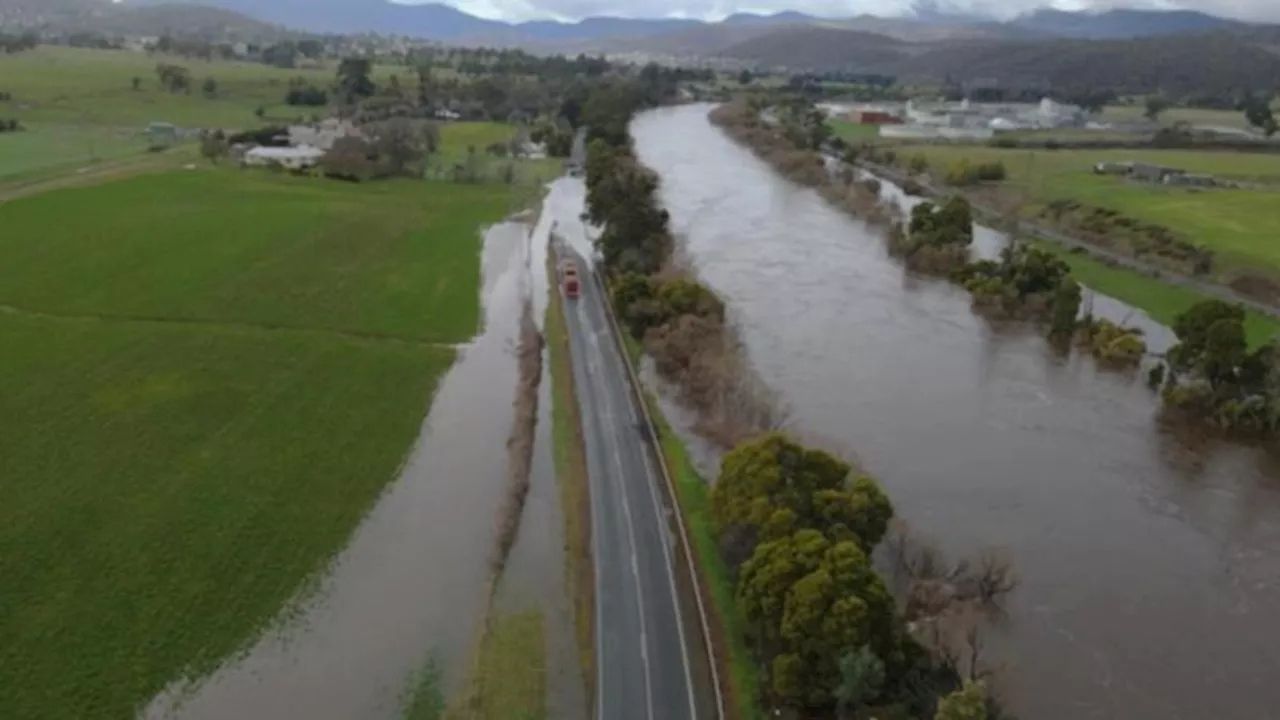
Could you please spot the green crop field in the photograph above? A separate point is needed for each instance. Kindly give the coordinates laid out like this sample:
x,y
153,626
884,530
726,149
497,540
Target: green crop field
x,y
208,378
42,147
1240,224
222,245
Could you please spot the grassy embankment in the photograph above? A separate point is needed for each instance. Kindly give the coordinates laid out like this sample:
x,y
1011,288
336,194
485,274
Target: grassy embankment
x,y
210,376
1162,301
509,676
1238,225
737,667
571,473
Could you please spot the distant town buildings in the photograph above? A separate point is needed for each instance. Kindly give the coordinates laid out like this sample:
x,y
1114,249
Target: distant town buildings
x,y
966,120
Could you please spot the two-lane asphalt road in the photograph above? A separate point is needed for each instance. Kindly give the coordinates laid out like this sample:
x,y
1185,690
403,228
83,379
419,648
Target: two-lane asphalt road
x,y
642,660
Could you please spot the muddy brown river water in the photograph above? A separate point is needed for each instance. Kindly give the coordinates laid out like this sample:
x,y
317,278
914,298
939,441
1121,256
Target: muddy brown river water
x,y
1150,570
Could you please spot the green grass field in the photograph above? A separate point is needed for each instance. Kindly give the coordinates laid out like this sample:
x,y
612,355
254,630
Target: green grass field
x,y
42,147
852,132
208,379
1240,224
223,245
512,669
1162,301
72,86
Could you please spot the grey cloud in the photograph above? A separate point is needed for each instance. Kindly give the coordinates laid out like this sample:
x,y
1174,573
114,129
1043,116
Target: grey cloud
x,y
1256,10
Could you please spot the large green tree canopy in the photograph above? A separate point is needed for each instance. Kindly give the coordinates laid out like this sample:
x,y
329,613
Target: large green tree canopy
x,y
808,602
772,487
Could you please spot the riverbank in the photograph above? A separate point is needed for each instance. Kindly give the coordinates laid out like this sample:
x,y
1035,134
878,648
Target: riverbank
x,y
683,327
1162,294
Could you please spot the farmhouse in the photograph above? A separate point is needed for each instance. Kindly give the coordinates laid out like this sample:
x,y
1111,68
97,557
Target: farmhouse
x,y
290,158
323,134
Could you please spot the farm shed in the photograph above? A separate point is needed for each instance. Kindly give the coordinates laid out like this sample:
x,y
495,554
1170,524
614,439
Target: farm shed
x,y
292,158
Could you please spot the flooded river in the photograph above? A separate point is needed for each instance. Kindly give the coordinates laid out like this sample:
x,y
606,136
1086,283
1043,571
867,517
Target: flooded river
x,y
1150,571
412,583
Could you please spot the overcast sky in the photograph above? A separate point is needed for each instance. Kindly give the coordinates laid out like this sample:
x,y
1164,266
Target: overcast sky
x,y
1268,10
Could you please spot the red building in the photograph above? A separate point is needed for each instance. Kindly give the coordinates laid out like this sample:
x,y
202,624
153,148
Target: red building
x,y
874,117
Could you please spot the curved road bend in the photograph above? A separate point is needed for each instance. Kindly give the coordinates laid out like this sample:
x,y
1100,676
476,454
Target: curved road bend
x,y
642,662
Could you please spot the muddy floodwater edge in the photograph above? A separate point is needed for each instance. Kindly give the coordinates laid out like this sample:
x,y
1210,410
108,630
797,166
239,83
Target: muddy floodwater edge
x,y
412,582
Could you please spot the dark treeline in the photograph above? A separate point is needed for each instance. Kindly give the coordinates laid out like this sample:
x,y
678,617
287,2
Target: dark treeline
x,y
18,43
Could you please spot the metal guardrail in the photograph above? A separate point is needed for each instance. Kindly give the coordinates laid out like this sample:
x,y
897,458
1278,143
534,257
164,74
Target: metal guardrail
x,y
638,389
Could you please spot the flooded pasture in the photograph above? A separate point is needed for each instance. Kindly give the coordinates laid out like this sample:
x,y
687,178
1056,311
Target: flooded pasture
x,y
1150,569
411,584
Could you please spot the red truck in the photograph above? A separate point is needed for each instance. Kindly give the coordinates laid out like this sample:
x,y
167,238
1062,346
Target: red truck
x,y
569,279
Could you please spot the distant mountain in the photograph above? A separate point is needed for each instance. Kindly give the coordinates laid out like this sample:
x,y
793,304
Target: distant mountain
x,y
821,48
1123,23
190,21
34,13
781,18
104,16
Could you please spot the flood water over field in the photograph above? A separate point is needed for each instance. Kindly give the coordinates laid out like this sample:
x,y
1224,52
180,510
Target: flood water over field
x,y
412,582
1150,571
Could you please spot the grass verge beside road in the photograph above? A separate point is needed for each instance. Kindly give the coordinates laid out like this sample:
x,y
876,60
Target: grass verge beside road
x,y
513,669
571,474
